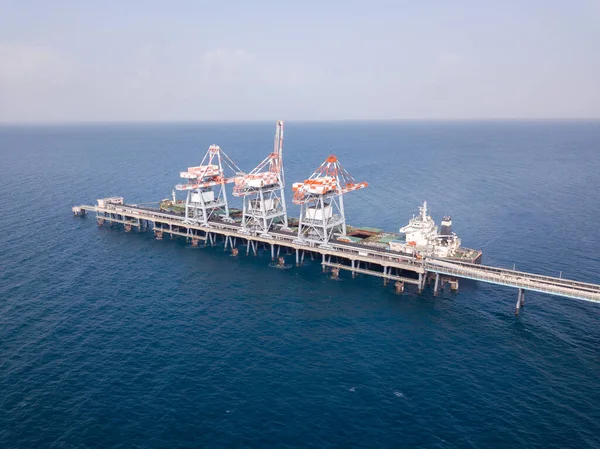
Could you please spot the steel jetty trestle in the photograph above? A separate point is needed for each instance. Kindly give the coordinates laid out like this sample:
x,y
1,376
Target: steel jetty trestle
x,y
337,255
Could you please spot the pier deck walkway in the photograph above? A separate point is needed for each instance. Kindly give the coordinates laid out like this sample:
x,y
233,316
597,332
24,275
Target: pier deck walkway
x,y
519,279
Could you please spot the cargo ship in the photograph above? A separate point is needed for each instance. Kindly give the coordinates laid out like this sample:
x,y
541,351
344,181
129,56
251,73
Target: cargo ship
x,y
421,237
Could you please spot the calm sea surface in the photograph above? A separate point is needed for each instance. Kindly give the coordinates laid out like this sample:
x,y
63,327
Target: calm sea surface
x,y
114,339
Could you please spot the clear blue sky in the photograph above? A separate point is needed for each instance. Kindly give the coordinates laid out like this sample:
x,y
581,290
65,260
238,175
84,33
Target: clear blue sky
x,y
298,60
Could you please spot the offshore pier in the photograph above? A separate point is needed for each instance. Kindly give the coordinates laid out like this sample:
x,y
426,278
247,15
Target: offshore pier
x,y
418,255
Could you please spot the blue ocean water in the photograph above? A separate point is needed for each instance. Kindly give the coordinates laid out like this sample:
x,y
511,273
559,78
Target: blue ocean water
x,y
113,339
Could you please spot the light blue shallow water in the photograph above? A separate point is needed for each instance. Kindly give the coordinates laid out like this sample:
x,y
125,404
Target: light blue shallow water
x,y
110,339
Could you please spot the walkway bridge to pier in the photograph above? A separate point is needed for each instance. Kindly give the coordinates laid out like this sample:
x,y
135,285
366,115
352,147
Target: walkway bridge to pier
x,y
518,279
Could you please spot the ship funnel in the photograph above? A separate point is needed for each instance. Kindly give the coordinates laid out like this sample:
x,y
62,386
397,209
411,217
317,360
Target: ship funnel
x,y
446,225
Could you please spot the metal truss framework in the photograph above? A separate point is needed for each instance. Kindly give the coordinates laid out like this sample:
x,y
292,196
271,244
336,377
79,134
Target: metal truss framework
x,y
262,191
206,192
321,202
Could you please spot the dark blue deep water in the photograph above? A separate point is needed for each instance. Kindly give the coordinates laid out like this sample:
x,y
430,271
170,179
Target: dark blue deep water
x,y
114,339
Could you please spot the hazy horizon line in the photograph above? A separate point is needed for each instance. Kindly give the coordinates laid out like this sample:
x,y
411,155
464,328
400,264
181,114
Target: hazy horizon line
x,y
244,121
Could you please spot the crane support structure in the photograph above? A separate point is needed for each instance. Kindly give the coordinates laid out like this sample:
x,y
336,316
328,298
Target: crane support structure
x,y
206,193
262,191
321,202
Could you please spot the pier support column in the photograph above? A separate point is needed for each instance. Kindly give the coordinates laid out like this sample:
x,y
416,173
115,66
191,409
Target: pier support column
x,y
437,284
302,258
272,252
248,248
226,241
385,273
454,285
421,282
353,272
399,286
278,250
520,301
323,264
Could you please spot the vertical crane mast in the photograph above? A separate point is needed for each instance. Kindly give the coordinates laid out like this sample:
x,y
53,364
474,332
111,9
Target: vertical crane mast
x,y
279,149
321,202
263,191
206,193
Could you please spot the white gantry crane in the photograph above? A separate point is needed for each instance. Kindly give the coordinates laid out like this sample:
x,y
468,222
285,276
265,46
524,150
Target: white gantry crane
x,y
321,202
206,193
262,192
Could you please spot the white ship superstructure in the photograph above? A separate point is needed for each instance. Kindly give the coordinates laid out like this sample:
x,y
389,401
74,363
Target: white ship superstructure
x,y
421,236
